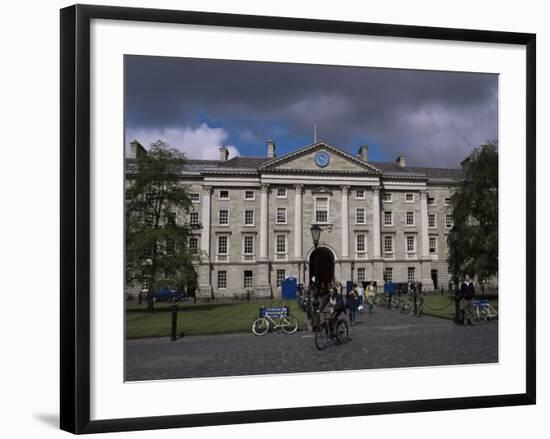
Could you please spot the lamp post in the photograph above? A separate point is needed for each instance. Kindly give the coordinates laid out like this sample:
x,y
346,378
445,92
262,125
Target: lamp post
x,y
315,236
455,236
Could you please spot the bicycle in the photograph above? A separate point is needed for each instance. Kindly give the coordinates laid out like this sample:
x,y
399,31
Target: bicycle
x,y
323,334
483,310
287,323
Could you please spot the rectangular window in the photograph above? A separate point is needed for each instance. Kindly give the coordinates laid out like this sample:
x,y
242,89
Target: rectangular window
x,y
360,194
248,217
224,194
447,201
360,216
172,217
281,276
321,210
222,245
388,274
249,195
388,218
409,198
431,201
281,192
247,279
223,217
360,243
194,218
248,245
222,279
431,220
387,197
410,244
433,244
410,274
281,243
410,218
195,197
388,244
193,244
281,215
361,275
448,221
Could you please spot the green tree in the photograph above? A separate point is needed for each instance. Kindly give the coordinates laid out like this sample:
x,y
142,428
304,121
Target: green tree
x,y
475,213
157,245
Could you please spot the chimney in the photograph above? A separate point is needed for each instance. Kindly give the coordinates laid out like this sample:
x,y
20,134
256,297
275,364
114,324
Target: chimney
x,y
364,152
224,154
270,149
400,160
136,149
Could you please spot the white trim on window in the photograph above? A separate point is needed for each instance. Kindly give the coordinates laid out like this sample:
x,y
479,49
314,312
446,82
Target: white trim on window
x,y
412,197
410,238
428,198
435,221
315,202
222,274
433,238
407,218
223,198
193,199
281,255
357,216
281,192
245,224
280,209
361,253
360,194
387,197
253,195
388,253
448,224
390,212
191,215
220,218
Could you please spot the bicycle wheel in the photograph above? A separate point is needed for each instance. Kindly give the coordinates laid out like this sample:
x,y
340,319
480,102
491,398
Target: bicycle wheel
x,y
260,326
342,331
321,336
479,315
290,325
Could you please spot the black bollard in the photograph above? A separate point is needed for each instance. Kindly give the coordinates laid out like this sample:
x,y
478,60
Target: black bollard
x,y
173,335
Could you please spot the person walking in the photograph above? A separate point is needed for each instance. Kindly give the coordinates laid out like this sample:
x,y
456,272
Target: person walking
x,y
467,294
360,297
351,304
370,297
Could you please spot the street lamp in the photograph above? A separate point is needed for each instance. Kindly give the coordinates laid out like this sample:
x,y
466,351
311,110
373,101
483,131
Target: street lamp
x,y
315,234
455,236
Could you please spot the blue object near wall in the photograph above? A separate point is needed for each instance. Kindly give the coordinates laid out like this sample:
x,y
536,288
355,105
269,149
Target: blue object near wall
x,y
288,288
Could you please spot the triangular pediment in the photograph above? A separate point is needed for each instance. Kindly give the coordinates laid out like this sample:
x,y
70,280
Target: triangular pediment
x,y
319,157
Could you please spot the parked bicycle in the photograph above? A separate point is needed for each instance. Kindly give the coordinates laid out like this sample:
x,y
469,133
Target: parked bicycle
x,y
273,319
324,335
483,311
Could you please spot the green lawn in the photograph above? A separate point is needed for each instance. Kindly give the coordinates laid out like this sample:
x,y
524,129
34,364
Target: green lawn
x,y
444,306
208,318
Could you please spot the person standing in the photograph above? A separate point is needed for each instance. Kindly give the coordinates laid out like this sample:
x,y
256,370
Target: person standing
x,y
370,297
351,304
467,293
360,297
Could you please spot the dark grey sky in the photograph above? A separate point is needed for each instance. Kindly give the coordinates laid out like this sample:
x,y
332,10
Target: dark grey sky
x,y
197,105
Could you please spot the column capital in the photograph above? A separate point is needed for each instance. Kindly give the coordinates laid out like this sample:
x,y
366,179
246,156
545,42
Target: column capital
x,y
299,188
265,187
207,189
423,194
376,190
345,190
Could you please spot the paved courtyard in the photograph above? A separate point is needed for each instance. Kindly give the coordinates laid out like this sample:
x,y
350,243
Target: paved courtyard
x,y
384,339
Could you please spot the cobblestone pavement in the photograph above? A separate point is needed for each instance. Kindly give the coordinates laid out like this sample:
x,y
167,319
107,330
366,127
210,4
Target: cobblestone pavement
x,y
384,339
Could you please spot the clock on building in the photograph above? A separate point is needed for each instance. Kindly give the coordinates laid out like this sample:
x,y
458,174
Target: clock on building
x,y
322,159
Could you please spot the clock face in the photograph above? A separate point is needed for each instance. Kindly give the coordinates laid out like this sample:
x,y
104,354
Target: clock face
x,y
322,159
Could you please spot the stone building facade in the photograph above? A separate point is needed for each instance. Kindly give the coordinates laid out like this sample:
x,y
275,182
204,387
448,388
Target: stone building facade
x,y
379,220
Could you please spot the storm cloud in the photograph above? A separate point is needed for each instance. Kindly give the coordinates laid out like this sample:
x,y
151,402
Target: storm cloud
x,y
434,118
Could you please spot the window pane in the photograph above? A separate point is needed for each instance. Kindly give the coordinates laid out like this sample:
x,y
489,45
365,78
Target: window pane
x,y
222,279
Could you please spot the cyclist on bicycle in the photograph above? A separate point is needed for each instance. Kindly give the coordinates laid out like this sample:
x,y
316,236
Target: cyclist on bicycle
x,y
336,307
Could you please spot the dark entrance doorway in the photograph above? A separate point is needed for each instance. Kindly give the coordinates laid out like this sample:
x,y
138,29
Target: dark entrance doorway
x,y
321,265
434,278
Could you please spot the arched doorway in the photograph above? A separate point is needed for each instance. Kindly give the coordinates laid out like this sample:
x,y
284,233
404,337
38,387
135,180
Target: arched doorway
x,y
321,265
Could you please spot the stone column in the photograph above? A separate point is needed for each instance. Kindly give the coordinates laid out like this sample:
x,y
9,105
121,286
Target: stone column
x,y
424,225
377,264
298,221
205,220
345,222
205,287
264,205
376,222
426,278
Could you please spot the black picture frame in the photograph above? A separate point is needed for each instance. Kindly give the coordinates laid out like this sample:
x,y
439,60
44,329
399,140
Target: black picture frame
x,y
75,217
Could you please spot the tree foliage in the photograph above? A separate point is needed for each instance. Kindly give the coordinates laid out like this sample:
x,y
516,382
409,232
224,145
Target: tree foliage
x,y
475,213
157,246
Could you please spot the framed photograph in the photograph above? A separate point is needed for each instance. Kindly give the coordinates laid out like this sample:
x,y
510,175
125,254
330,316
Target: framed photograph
x,y
258,213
